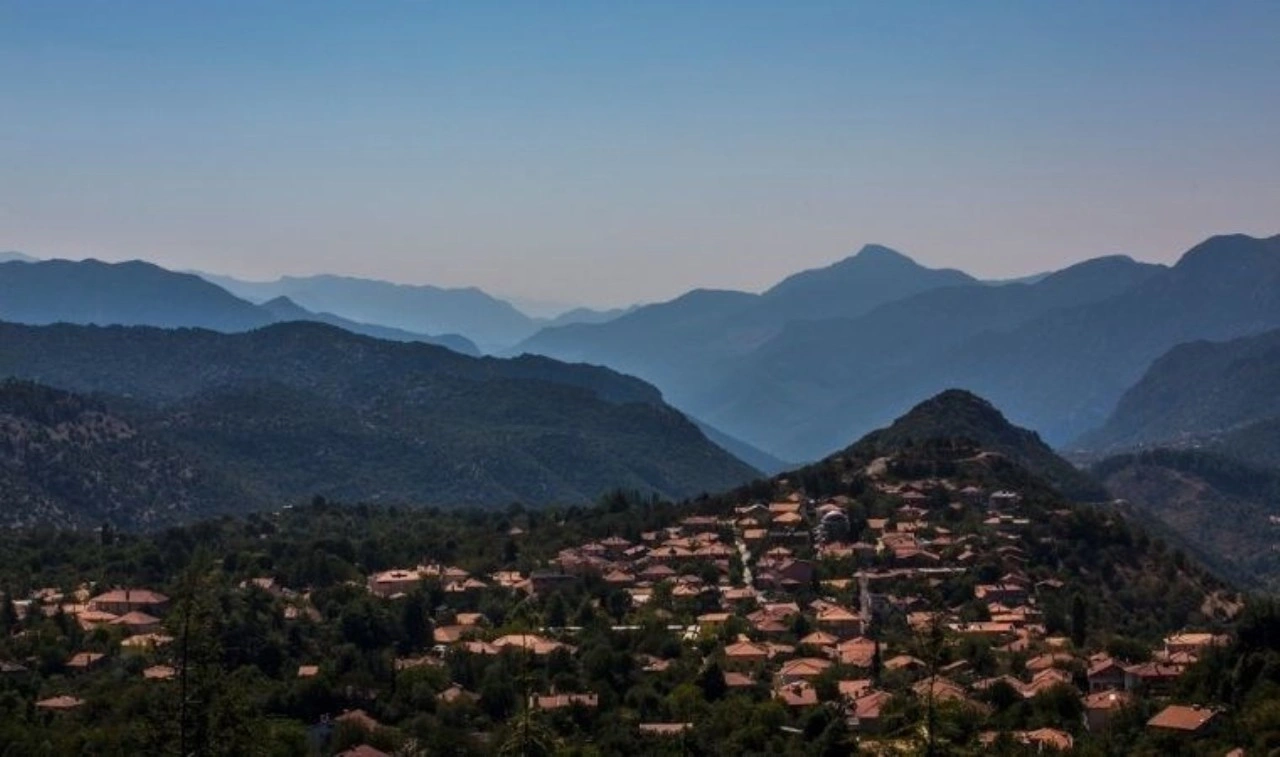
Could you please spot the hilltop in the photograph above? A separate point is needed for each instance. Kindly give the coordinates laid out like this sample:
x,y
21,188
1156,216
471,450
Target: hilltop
x,y
966,418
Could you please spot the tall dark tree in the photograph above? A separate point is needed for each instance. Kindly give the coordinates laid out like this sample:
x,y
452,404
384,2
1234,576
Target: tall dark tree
x,y
1079,621
711,682
416,624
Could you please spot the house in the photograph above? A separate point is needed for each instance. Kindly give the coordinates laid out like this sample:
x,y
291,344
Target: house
x,y
137,622
1178,718
839,621
82,661
619,578
537,645
1106,674
61,703
1049,660
1193,644
798,694
1047,679
1101,706
664,729
123,601
1003,500
450,634
745,654
389,583
713,620
852,688
561,701
802,669
867,709
159,673
820,640
858,652
1040,739
1152,677
363,750
941,689
904,662
1005,593
308,671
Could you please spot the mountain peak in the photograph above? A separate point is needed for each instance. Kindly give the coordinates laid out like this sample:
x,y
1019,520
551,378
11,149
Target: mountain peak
x,y
1227,247
878,252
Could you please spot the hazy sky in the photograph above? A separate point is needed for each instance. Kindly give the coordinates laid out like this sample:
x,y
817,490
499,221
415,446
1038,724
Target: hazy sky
x,y
606,153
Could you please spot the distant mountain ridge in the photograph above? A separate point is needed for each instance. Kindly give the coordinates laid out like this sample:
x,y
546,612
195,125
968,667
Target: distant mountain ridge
x,y
130,294
817,382
1056,355
486,320
138,293
297,409
687,344
1195,393
284,309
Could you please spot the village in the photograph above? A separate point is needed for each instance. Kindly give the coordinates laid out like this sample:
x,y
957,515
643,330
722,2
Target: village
x,y
924,598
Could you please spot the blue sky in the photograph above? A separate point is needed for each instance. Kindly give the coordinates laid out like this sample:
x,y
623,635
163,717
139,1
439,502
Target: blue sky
x,y
605,153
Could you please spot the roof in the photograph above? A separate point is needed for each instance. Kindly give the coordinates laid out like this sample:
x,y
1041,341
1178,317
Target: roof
x,y
159,673
746,649
135,618
557,701
63,702
83,659
132,596
664,729
1111,699
359,718
1188,718
799,694
805,667
735,680
363,750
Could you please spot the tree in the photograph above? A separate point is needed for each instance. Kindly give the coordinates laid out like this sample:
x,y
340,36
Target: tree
x,y
1079,621
556,614
416,624
711,682
8,613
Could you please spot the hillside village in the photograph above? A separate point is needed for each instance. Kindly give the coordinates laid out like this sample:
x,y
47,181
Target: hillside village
x,y
920,613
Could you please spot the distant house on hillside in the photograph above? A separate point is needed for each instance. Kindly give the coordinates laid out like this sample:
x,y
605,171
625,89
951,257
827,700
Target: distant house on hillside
x,y
125,601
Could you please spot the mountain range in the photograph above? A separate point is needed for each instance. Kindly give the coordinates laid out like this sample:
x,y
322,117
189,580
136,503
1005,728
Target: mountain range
x,y
137,293
797,370
791,373
492,323
299,409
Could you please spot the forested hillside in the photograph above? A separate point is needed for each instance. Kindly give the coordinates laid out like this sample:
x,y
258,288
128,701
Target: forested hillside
x,y
299,409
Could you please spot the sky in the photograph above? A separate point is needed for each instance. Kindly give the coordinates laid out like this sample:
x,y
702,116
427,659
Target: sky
x,y
610,153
